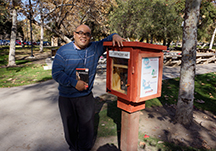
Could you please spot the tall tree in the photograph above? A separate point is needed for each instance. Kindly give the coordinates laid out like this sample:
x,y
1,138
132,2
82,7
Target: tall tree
x,y
213,26
207,19
42,25
5,19
184,112
167,21
30,20
141,19
11,57
62,17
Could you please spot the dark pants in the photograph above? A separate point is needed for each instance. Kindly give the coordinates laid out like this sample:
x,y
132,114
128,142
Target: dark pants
x,y
78,121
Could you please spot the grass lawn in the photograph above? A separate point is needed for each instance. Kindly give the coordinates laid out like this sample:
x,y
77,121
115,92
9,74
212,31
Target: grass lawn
x,y
28,71
204,95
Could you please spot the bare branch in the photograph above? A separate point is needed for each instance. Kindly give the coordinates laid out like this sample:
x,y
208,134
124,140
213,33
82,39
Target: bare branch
x,y
65,16
51,11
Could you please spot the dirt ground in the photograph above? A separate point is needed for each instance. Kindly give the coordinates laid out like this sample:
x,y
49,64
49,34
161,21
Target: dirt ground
x,y
157,122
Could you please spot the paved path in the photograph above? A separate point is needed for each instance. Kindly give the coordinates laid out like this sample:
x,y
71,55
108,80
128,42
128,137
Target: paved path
x,y
29,116
170,72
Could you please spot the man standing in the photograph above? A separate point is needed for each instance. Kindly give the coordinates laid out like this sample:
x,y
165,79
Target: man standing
x,y
76,101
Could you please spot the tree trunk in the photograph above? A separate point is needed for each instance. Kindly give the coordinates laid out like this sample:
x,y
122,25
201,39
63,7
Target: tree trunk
x,y
30,22
168,43
164,41
147,39
42,28
151,39
11,57
41,39
141,40
184,111
176,44
212,39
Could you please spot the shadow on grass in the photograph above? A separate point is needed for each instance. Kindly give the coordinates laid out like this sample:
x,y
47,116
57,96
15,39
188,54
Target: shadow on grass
x,y
98,105
3,61
15,68
19,62
4,47
115,114
44,79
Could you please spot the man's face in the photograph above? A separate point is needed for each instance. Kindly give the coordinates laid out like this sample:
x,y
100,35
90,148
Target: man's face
x,y
82,36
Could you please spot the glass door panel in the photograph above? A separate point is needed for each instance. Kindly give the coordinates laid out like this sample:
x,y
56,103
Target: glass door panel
x,y
120,75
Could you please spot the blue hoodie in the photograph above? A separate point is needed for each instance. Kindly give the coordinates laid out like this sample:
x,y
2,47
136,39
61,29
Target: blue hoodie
x,y
68,58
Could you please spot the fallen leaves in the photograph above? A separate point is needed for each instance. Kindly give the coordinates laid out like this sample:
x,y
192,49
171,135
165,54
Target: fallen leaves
x,y
9,79
199,101
13,81
205,145
146,136
205,117
166,97
173,106
142,145
211,95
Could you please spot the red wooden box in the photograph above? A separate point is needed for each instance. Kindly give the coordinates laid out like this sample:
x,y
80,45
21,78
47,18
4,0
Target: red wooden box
x,y
134,73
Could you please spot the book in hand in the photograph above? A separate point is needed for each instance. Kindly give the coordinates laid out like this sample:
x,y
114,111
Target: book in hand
x,y
82,74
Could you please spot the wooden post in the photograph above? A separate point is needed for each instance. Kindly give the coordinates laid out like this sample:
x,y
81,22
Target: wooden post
x,y
129,131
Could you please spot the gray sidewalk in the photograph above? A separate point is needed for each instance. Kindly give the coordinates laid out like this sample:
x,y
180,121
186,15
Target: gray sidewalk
x,y
30,119
170,72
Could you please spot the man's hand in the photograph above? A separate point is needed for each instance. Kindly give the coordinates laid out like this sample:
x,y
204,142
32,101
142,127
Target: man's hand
x,y
118,39
81,85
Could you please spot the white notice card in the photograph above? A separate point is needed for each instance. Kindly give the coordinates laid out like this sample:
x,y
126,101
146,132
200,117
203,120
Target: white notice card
x,y
149,76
